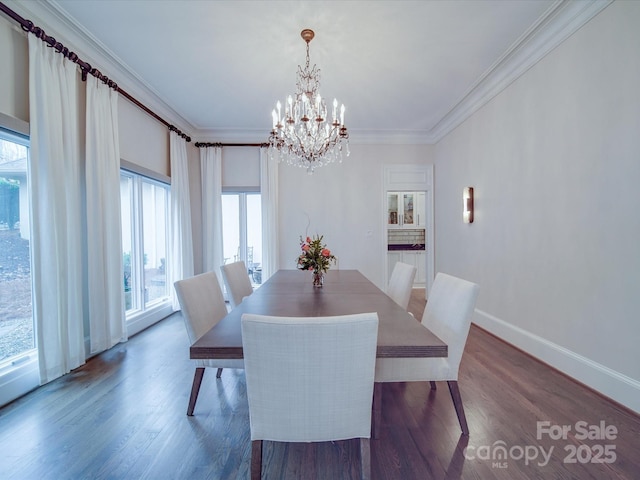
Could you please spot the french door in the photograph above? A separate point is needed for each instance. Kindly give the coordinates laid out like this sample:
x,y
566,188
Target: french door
x,y
16,315
145,214
242,231
18,349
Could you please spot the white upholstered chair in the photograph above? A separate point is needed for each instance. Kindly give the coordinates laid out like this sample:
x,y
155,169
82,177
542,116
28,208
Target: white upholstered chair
x,y
401,283
448,314
202,306
237,281
309,379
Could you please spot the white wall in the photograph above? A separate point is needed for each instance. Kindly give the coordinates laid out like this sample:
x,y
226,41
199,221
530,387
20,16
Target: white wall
x,y
345,203
143,140
555,167
241,168
14,73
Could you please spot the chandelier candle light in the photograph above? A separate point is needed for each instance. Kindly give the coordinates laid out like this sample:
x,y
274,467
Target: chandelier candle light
x,y
303,134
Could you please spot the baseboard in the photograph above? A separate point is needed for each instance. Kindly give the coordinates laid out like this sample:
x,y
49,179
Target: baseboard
x,y
610,383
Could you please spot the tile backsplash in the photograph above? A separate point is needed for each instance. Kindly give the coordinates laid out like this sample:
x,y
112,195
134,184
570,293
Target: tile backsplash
x,y
406,236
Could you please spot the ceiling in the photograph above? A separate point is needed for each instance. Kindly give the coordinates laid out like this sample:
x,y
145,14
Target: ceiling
x,y
406,70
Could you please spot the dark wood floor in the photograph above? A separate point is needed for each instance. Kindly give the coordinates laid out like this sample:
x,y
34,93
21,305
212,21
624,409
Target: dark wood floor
x,y
123,415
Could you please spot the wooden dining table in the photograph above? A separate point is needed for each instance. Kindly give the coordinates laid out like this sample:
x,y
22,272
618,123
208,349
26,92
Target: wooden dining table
x,y
290,293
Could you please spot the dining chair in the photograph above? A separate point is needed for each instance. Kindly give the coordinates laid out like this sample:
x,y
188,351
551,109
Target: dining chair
x,y
202,306
447,314
237,281
401,283
309,379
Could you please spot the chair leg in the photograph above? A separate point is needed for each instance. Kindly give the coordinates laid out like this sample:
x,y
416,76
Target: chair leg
x,y
195,388
365,459
256,459
433,385
219,373
457,403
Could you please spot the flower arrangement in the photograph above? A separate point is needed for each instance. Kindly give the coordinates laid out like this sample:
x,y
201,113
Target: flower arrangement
x,y
315,255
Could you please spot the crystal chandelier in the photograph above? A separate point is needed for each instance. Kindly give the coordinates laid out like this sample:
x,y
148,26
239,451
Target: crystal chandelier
x,y
303,134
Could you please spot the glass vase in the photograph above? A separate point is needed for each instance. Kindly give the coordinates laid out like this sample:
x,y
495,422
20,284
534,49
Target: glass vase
x,y
318,279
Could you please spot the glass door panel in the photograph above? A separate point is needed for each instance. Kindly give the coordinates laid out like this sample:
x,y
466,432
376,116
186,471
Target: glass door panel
x,y
254,237
231,228
16,314
154,215
407,207
392,208
126,214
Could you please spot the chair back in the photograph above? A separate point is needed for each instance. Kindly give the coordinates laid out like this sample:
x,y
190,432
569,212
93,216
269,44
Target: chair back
x,y
309,379
401,283
448,314
236,279
201,302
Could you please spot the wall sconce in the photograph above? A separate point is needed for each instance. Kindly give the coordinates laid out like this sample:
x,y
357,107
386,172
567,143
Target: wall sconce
x,y
467,205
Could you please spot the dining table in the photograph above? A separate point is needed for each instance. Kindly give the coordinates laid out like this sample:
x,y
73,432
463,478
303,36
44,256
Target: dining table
x,y
291,293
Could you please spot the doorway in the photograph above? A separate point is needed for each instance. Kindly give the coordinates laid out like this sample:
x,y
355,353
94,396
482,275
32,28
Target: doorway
x,y
242,232
408,221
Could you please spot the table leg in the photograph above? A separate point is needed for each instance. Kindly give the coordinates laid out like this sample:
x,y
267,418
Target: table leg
x,y
377,409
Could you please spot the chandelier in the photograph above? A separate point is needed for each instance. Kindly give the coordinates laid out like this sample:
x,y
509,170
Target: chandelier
x,y
303,134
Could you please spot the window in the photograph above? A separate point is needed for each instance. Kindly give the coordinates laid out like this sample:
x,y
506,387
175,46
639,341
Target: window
x,y
16,315
145,213
242,231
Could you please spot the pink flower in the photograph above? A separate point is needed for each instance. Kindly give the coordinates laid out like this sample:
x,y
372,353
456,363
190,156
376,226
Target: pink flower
x,y
305,247
308,240
326,252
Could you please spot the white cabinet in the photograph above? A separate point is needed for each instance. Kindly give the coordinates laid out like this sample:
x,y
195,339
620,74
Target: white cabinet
x,y
421,264
401,211
412,257
417,259
392,259
406,210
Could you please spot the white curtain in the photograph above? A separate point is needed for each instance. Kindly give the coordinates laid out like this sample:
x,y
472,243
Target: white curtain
x,y
211,169
269,194
56,210
181,233
104,237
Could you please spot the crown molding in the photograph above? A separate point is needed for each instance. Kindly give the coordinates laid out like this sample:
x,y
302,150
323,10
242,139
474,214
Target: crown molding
x,y
389,137
557,24
224,135
356,137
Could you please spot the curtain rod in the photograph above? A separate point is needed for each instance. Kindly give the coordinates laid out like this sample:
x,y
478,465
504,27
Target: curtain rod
x,y
209,144
29,27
